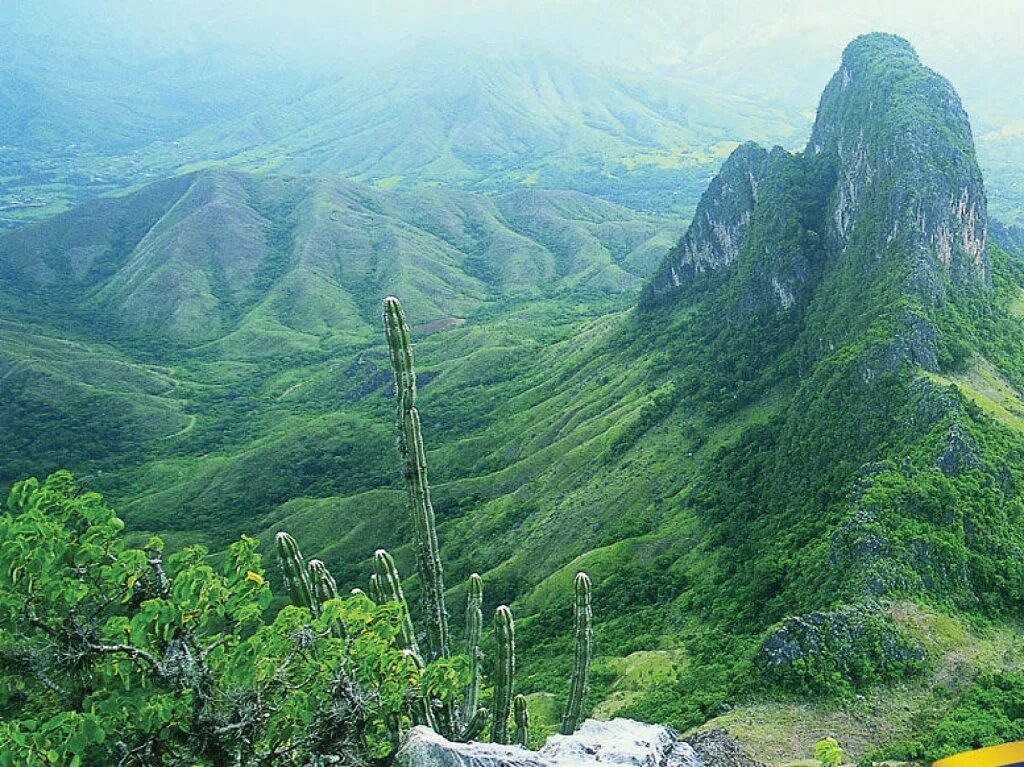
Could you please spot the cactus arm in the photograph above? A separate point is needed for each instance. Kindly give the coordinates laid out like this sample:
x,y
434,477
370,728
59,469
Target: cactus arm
x,y
294,570
474,632
386,582
521,716
504,674
419,710
475,725
410,444
579,683
323,583
324,588
376,593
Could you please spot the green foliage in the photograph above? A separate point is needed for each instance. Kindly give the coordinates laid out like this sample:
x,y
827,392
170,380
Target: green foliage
x,y
112,653
828,752
989,712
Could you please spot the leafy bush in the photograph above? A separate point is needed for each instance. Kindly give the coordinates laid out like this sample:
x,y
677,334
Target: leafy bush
x,y
990,712
828,752
117,655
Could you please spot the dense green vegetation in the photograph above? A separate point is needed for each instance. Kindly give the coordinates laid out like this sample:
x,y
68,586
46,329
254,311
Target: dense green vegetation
x,y
116,654
86,618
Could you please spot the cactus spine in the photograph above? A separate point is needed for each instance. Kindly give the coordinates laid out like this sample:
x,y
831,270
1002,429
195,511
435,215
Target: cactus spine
x,y
410,445
504,674
474,631
521,716
294,570
579,683
386,583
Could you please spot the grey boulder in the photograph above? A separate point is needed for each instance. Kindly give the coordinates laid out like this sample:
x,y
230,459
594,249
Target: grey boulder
x,y
617,742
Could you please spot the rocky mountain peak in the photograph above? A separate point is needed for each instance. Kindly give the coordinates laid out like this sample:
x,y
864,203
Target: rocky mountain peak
x,y
890,169
902,144
720,224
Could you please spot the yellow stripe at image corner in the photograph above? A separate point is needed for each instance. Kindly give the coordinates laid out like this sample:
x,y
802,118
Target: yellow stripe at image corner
x,y
993,756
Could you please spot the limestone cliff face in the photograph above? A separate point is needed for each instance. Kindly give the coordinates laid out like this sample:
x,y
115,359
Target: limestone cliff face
x,y
902,145
720,224
889,173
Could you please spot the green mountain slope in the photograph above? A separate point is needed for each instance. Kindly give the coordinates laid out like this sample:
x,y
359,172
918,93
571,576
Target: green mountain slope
x,y
480,120
205,308
288,263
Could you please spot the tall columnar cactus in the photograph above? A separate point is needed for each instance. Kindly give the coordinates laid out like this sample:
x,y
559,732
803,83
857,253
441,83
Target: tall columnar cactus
x,y
410,445
324,588
579,683
311,586
521,716
504,673
474,632
376,594
293,567
386,583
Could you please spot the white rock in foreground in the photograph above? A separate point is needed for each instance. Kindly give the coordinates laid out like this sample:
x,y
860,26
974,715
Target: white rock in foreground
x,y
618,742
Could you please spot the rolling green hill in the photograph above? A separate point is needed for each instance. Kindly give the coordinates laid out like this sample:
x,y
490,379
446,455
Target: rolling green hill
x,y
461,118
205,311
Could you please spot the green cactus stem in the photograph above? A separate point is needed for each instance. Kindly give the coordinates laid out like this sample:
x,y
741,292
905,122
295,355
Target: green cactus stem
x,y
475,725
419,710
521,716
294,570
389,588
410,444
375,591
504,674
324,588
474,632
579,683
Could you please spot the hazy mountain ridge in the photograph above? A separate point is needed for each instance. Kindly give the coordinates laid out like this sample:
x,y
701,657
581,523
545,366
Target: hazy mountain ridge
x,y
199,257
464,119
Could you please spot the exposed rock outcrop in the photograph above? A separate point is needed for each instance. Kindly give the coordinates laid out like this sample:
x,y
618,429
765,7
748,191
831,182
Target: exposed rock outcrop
x,y
855,641
889,173
619,741
720,224
718,748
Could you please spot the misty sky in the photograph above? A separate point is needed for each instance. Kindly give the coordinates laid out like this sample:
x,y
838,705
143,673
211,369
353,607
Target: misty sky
x,y
775,48
788,46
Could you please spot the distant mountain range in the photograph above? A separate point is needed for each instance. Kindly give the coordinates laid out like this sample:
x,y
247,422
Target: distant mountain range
x,y
464,119
649,137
